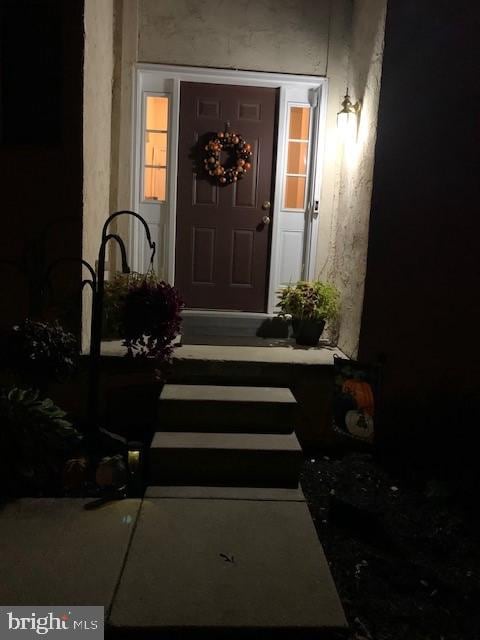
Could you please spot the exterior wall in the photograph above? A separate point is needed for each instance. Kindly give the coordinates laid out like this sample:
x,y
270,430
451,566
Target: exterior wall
x,y
97,115
41,63
349,264
266,35
126,56
421,311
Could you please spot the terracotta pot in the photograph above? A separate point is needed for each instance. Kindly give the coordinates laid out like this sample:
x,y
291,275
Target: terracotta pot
x,y
307,332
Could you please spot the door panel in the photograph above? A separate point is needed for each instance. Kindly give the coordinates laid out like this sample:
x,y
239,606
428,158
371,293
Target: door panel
x,y
222,246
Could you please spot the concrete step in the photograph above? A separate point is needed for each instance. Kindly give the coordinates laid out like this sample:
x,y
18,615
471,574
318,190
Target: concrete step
x,y
227,408
204,324
308,372
226,567
225,459
278,363
285,494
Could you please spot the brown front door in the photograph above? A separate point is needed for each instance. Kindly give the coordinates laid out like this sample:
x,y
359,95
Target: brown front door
x,y
222,245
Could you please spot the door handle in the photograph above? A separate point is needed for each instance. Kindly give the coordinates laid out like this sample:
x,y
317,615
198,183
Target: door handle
x,y
266,219
266,205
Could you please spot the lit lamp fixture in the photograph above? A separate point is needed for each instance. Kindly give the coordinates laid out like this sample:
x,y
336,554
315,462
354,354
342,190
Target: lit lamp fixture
x,y
135,469
347,118
134,457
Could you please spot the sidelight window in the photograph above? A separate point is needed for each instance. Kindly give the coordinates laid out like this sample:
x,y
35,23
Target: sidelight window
x,y
155,148
298,147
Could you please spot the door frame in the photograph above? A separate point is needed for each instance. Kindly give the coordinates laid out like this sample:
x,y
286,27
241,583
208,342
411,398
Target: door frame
x,y
292,90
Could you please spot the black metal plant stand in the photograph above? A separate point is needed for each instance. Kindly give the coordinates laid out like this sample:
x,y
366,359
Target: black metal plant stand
x,y
97,285
98,289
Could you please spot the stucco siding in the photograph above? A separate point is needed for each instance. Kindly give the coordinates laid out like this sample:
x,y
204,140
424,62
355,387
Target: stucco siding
x,y
97,115
265,35
355,189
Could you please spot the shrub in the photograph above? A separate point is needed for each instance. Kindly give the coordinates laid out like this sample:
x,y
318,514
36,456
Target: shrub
x,y
42,352
35,440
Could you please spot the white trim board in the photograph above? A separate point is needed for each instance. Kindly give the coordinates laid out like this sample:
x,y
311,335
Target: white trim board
x,y
290,229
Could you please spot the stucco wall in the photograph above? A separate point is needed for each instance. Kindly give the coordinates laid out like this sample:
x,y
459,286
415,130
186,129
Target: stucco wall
x,y
348,268
97,115
266,35
422,311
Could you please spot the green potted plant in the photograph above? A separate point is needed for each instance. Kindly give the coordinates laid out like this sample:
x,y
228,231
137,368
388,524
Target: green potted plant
x,y
310,305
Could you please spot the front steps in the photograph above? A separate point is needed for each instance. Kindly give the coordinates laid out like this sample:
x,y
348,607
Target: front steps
x,y
228,459
307,372
226,435
186,407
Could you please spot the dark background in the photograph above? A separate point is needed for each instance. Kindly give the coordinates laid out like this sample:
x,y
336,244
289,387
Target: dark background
x,y
41,172
421,307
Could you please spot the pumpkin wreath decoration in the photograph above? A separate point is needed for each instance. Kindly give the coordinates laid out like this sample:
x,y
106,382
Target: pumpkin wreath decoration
x,y
238,148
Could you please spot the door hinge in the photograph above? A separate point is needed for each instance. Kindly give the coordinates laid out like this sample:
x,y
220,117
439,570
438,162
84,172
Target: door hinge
x,y
313,97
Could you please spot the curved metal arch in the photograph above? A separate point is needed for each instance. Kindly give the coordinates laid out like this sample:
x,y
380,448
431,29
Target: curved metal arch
x,y
112,217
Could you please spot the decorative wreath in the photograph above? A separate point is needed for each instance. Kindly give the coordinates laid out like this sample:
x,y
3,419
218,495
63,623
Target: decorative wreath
x,y
239,149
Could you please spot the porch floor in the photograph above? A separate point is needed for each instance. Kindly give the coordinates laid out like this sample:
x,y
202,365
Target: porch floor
x,y
243,349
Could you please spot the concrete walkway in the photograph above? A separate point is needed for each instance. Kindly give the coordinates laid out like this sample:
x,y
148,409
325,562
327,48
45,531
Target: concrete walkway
x,y
227,561
183,560
54,552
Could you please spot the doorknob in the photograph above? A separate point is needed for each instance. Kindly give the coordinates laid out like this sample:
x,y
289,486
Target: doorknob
x,y
266,219
266,205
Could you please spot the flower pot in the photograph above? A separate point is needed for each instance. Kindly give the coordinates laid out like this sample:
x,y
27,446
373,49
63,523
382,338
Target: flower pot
x,y
307,332
131,402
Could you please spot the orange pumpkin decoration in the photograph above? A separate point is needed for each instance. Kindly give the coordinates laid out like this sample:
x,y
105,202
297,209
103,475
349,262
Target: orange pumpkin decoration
x,y
362,393
75,473
111,472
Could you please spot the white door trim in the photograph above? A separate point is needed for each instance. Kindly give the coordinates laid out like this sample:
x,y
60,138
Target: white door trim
x,y
166,79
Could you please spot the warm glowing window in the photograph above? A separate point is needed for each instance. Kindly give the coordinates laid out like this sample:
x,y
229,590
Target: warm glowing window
x,y
156,148
297,158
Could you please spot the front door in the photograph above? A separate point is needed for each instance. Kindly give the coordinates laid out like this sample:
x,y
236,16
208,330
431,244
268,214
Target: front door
x,y
223,232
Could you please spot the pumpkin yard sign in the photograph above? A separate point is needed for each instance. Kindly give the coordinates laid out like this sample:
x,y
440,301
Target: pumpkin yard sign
x,y
355,399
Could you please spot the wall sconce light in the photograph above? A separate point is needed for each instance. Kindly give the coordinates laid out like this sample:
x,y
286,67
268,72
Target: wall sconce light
x,y
347,118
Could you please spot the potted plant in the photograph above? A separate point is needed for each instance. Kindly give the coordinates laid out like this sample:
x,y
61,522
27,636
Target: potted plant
x,y
150,318
147,315
310,305
115,291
